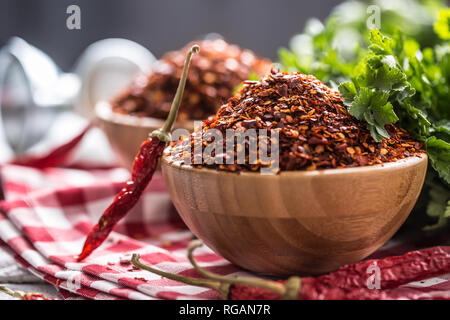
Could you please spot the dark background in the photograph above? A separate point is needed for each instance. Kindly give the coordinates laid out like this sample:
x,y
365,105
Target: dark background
x,y
260,25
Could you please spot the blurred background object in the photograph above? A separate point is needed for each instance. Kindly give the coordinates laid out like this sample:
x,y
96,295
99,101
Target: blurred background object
x,y
106,67
34,91
331,49
260,25
31,87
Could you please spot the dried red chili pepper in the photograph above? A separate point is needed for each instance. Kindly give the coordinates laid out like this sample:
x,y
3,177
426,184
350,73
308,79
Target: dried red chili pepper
x,y
56,156
144,165
242,292
347,283
394,271
36,296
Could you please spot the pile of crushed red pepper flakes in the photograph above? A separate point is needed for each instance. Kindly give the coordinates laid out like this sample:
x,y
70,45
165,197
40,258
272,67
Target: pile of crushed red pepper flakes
x,y
315,129
214,73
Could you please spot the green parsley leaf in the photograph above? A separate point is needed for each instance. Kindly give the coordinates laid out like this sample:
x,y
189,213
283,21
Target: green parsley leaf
x,y
439,152
380,44
348,92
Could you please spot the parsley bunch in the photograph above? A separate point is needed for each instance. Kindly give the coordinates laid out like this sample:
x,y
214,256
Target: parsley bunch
x,y
331,50
397,82
392,76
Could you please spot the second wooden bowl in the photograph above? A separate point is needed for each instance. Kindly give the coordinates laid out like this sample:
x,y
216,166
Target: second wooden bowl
x,y
303,222
126,133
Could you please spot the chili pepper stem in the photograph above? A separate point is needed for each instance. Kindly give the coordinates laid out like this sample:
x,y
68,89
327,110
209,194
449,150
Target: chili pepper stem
x,y
222,289
163,133
288,291
12,293
221,284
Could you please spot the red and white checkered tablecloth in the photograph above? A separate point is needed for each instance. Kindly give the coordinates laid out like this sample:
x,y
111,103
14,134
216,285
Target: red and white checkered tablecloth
x,y
48,212
47,225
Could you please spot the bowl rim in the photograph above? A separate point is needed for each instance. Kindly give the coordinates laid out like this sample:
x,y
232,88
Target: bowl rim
x,y
104,112
410,161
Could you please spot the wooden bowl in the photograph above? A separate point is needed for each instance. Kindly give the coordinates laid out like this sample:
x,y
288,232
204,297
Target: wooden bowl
x,y
126,133
298,222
